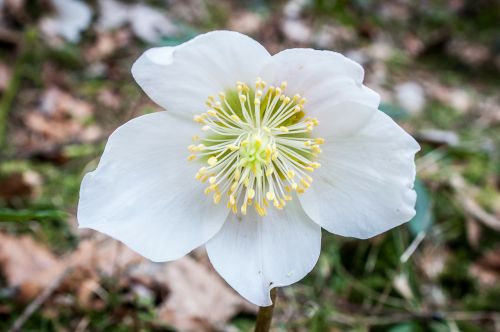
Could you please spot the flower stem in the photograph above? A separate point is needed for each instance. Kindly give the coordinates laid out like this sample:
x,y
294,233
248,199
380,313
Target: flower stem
x,y
265,315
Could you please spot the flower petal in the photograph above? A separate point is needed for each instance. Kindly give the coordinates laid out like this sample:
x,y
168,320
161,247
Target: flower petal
x,y
254,254
181,78
144,194
332,85
365,184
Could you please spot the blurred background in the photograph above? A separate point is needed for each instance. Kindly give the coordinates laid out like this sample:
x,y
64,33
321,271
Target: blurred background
x,y
65,85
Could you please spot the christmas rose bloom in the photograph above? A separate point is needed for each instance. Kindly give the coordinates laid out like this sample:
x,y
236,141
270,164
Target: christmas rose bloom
x,y
280,146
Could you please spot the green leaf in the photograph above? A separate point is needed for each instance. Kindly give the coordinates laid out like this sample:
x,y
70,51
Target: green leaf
x,y
423,218
394,111
12,215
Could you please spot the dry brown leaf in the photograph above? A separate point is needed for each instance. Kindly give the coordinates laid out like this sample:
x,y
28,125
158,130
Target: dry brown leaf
x,y
27,265
14,186
487,269
60,119
58,103
199,299
245,22
433,260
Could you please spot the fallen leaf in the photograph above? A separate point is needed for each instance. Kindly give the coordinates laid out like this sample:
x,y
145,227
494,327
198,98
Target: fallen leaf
x,y
19,185
245,22
487,269
198,297
27,265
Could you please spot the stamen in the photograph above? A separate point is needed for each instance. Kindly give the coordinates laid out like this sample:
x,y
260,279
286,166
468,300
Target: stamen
x,y
257,147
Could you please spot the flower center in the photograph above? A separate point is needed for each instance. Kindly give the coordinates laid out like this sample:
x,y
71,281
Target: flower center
x,y
257,147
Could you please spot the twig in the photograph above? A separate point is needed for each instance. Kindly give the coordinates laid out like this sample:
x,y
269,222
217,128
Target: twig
x,y
470,206
413,246
387,319
39,300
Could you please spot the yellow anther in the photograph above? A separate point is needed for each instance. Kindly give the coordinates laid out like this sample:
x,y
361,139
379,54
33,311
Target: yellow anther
x,y
251,193
283,85
260,210
288,189
297,109
207,190
233,187
300,190
315,165
217,198
256,101
307,143
308,168
287,197
243,98
232,200
294,186
258,93
286,100
191,157
233,147
235,118
244,209
316,148
304,183
283,129
269,171
212,112
212,179
195,138
319,140
290,174
303,101
270,195
296,97
277,91
222,95
237,174
198,118
212,161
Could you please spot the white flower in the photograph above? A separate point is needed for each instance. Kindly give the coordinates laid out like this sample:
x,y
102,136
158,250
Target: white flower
x,y
245,187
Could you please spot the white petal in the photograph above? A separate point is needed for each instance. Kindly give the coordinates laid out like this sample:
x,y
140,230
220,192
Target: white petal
x,y
181,78
365,184
332,85
144,194
70,19
254,254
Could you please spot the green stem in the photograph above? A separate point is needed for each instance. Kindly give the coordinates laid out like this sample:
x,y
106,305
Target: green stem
x,y
265,315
